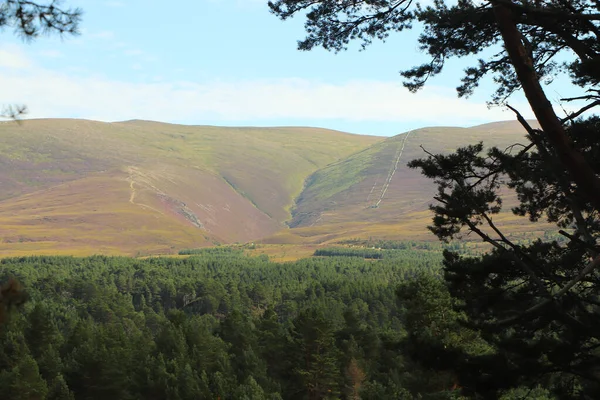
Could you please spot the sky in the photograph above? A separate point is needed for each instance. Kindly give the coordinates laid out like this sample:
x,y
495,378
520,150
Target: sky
x,y
228,63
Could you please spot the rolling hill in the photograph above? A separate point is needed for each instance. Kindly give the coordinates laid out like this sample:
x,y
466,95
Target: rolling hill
x,y
373,193
141,187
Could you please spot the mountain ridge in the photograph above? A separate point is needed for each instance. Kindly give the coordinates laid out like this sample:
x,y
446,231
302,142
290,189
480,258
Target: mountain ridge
x,y
161,182
144,187
374,193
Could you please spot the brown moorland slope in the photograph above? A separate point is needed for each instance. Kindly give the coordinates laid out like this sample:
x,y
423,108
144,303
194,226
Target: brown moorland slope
x,y
141,187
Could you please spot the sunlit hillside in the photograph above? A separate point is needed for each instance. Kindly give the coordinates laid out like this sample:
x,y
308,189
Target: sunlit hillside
x,y
140,187
374,194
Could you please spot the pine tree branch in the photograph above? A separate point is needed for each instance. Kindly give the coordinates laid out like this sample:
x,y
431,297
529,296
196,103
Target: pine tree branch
x,y
587,244
574,162
585,97
14,112
575,209
580,111
584,272
547,12
486,238
590,25
498,170
516,253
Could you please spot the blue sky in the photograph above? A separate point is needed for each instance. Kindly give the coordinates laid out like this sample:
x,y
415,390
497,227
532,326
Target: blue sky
x,y
228,63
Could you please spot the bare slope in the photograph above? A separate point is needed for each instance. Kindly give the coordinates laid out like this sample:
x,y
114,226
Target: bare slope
x,y
374,193
144,187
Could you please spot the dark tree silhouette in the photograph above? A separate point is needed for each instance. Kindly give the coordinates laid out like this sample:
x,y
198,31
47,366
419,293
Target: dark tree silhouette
x,y
29,19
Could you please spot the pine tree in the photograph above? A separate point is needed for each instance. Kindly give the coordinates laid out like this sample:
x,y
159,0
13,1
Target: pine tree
x,y
534,303
251,390
26,383
189,384
271,342
316,356
59,390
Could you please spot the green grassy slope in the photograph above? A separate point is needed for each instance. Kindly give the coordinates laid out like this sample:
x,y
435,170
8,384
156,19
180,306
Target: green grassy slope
x,y
373,192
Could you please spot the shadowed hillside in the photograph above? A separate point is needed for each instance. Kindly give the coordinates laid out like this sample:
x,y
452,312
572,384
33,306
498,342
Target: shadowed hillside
x,y
76,186
374,193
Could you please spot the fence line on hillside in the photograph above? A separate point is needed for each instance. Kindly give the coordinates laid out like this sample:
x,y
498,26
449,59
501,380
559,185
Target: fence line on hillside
x,y
393,169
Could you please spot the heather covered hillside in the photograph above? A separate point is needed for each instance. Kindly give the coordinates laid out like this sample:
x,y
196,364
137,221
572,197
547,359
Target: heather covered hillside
x,y
141,187
373,193
75,186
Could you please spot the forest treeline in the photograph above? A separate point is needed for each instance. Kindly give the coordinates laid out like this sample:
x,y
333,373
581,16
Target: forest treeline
x,y
218,326
421,257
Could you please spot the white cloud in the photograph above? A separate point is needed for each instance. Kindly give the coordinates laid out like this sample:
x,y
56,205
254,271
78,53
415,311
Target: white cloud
x,y
51,53
54,94
13,58
102,35
140,54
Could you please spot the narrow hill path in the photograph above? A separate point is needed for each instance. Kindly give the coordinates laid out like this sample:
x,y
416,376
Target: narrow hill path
x,y
371,192
393,169
132,195
131,178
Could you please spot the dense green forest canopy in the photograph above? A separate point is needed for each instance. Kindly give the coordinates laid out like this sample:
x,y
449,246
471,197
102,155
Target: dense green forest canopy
x,y
216,325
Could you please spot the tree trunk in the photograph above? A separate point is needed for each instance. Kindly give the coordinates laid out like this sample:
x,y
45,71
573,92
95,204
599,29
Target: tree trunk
x,y
573,161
